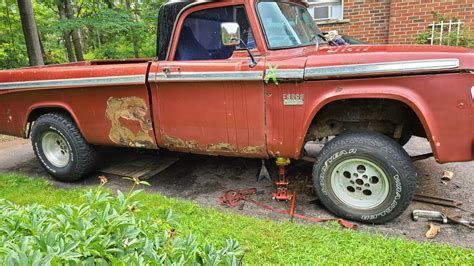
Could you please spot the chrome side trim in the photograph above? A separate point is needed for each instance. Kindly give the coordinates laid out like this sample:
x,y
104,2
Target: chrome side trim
x,y
77,82
397,67
288,73
207,76
472,94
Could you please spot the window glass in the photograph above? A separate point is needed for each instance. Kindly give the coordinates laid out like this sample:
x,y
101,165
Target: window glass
x,y
288,25
326,9
321,12
200,37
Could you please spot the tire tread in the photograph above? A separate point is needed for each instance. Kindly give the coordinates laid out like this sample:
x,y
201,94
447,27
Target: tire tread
x,y
85,156
393,150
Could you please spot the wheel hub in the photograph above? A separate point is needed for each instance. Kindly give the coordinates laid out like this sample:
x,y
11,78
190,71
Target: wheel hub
x,y
359,183
55,149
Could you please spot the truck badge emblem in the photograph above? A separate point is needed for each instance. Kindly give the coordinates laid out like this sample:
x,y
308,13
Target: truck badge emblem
x,y
293,99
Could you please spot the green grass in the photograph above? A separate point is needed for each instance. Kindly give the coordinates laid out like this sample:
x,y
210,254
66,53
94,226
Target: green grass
x,y
267,241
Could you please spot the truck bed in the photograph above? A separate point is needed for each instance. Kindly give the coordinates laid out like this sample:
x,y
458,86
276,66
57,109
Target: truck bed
x,y
108,99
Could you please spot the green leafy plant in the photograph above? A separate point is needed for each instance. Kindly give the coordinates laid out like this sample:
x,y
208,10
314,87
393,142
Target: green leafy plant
x,y
108,30
136,182
101,232
264,241
452,38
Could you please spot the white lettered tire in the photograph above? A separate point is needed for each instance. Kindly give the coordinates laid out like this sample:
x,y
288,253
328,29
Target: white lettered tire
x,y
365,177
61,149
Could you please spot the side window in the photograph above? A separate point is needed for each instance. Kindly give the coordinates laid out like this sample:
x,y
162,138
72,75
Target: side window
x,y
200,37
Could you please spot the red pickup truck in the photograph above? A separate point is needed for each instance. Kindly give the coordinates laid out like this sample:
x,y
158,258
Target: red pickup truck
x,y
256,79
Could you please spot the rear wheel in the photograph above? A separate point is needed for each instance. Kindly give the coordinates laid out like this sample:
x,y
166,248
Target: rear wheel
x,y
61,149
365,177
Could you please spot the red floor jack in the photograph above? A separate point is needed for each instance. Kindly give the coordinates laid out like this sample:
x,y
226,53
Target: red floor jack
x,y
282,193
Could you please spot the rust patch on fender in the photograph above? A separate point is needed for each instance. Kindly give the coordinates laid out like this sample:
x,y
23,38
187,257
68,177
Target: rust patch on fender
x,y
253,149
177,143
133,109
221,147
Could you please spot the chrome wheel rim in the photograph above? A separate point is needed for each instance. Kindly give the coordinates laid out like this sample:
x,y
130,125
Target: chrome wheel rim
x,y
56,149
360,184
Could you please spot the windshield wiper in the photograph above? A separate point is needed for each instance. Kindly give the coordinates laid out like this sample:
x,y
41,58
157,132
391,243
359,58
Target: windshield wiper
x,y
315,37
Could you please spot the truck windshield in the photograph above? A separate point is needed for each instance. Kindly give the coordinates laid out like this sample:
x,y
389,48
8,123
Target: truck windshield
x,y
288,25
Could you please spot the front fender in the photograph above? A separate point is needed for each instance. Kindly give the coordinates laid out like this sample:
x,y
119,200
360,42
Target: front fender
x,y
435,99
401,94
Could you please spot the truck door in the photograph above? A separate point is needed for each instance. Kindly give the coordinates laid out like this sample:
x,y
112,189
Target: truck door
x,y
207,99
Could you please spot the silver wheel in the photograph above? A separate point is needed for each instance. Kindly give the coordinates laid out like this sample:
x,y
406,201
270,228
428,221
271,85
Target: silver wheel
x,y
360,184
56,149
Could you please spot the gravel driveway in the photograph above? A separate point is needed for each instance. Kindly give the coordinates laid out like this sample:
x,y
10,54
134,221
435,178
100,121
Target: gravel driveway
x,y
203,179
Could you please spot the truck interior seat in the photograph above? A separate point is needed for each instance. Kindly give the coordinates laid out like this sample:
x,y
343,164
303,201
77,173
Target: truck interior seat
x,y
189,47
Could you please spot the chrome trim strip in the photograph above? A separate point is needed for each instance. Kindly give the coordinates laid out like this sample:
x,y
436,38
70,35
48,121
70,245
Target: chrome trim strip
x,y
288,73
472,94
76,82
207,76
397,67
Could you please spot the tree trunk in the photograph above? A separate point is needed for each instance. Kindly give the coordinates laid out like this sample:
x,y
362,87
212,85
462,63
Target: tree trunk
x,y
10,31
76,38
45,56
67,43
135,48
133,35
30,32
66,34
110,4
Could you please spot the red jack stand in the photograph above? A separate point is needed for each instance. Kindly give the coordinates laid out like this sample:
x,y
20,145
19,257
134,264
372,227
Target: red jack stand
x,y
282,193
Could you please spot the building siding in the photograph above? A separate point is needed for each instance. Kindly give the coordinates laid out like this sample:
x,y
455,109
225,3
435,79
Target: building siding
x,y
399,21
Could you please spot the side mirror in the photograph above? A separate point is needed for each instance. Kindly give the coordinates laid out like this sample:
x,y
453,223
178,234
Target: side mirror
x,y
230,34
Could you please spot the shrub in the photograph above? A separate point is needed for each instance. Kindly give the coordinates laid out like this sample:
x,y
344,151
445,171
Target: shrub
x,y
103,231
451,39
464,38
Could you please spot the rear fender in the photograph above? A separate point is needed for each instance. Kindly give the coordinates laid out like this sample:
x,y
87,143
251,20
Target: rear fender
x,y
56,106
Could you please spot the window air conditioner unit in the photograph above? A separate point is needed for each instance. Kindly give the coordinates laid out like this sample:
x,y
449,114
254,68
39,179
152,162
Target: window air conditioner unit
x,y
322,12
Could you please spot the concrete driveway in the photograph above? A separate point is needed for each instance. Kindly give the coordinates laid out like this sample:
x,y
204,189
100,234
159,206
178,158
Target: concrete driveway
x,y
203,179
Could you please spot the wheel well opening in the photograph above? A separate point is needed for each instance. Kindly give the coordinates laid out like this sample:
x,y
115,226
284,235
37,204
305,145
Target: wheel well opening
x,y
36,113
389,117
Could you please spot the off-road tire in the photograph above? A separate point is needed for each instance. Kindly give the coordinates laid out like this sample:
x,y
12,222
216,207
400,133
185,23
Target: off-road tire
x,y
82,156
404,139
380,152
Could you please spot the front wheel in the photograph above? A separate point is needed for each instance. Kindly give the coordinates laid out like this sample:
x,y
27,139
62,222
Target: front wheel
x,y
61,149
364,177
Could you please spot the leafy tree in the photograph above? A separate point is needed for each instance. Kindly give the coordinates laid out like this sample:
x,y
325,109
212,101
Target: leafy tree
x,y
95,29
12,45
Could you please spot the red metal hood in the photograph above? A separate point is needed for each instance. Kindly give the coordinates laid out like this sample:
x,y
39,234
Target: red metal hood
x,y
405,58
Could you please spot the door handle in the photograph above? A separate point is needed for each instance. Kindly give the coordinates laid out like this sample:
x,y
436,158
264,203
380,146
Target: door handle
x,y
167,70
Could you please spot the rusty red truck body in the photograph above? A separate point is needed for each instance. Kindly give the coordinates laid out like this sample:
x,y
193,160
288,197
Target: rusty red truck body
x,y
203,96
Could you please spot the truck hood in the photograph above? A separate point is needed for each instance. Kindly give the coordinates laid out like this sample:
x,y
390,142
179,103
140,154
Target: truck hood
x,y
356,60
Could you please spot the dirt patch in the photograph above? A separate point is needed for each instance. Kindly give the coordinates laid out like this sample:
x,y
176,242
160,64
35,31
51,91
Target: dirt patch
x,y
203,179
5,138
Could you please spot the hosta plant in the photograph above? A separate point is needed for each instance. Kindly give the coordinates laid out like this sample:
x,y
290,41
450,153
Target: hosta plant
x,y
105,231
